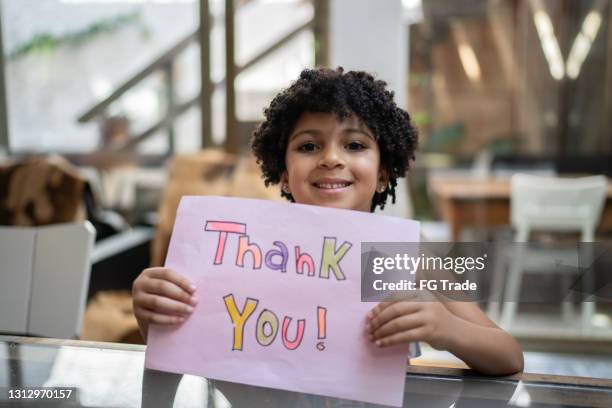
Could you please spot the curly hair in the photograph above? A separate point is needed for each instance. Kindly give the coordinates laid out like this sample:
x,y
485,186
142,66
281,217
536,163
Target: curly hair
x,y
342,94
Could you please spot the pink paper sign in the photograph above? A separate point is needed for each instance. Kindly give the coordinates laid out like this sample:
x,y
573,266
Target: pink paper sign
x,y
279,299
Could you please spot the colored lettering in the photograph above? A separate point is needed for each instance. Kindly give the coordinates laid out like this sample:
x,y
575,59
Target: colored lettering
x,y
284,255
269,320
331,258
223,228
239,318
303,259
267,325
277,259
245,246
321,322
293,344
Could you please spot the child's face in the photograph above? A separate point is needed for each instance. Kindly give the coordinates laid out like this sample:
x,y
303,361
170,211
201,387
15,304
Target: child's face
x,y
332,163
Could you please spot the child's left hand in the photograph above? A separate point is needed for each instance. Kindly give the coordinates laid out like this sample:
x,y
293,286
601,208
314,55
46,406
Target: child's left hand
x,y
391,323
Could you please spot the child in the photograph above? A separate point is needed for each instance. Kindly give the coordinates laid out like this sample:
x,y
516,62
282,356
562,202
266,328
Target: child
x,y
338,139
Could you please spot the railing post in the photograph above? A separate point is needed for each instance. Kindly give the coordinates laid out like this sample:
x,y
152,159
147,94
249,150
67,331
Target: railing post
x,y
206,84
231,136
169,87
321,32
606,143
4,136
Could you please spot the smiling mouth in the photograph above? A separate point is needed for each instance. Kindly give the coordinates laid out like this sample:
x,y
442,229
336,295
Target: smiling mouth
x,y
332,186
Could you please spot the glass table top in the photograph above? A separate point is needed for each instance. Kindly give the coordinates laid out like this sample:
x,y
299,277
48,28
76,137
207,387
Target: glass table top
x,y
113,375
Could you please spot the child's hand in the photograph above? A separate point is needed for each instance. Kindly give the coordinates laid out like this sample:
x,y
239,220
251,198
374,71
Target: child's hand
x,y
162,296
391,323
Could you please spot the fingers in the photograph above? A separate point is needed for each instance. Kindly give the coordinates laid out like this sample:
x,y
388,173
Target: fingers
x,y
152,317
391,323
401,337
400,324
387,311
170,290
162,296
160,304
378,308
166,283
169,275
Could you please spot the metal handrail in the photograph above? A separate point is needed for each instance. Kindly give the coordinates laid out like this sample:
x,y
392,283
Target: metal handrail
x,y
284,40
180,109
165,62
161,61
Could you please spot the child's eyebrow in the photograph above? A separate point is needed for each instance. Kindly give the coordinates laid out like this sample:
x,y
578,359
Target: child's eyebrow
x,y
312,132
356,130
315,132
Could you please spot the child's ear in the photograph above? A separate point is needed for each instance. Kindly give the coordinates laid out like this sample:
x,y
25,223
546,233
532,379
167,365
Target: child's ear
x,y
284,178
284,183
383,179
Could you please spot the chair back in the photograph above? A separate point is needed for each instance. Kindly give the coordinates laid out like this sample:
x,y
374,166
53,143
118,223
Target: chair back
x,y
556,204
44,277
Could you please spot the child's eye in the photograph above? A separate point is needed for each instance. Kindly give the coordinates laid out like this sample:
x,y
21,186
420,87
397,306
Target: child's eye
x,y
307,147
355,146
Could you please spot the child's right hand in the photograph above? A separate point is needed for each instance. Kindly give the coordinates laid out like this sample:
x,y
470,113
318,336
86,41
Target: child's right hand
x,y
162,296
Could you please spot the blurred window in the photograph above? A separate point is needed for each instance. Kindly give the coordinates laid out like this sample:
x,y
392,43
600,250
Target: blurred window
x,y
523,77
64,56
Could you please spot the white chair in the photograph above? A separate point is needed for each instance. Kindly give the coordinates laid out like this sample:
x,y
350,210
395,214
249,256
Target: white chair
x,y
552,205
44,278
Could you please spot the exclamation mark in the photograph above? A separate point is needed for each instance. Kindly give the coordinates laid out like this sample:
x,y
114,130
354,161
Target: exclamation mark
x,y
321,327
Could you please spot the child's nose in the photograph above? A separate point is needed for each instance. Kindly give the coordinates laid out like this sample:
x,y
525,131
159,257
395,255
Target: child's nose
x,y
331,158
